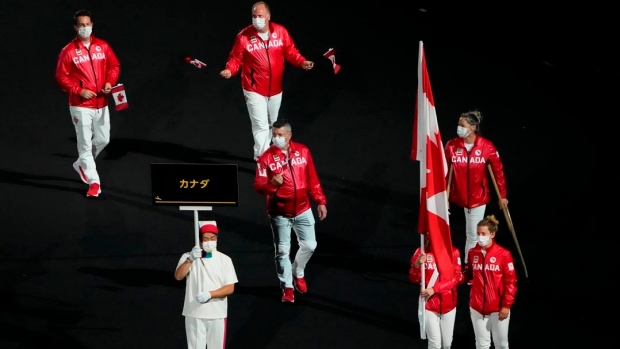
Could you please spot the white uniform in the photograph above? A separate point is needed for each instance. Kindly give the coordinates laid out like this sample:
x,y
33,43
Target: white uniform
x,y
205,323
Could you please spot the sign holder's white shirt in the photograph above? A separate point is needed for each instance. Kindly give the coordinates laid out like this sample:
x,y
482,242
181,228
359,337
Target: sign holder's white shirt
x,y
215,272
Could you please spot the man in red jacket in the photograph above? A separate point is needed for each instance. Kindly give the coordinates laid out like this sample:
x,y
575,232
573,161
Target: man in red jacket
x,y
87,69
259,52
285,174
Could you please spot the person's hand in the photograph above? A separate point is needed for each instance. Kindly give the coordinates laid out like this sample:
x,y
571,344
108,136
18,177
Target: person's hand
x,y
203,297
226,74
322,211
307,65
503,314
196,253
427,292
277,180
87,94
421,260
503,203
107,88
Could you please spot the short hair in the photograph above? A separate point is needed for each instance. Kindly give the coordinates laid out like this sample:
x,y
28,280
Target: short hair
x,y
261,3
282,123
81,13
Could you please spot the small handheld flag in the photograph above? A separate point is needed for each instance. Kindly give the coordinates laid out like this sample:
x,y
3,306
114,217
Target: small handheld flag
x,y
196,63
120,98
332,57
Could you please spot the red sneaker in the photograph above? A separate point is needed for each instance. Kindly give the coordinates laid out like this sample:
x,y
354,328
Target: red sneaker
x,y
288,295
300,285
78,169
93,190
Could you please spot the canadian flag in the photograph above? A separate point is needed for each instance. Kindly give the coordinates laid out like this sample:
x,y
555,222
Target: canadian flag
x,y
427,148
332,57
120,98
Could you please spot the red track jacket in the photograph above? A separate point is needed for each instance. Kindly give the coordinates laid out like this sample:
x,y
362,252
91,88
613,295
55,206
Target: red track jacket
x,y
300,180
445,297
262,62
79,67
469,187
494,279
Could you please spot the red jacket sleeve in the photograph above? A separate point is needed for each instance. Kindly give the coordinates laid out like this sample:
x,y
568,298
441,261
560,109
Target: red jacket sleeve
x,y
498,170
262,178
509,279
291,52
314,185
447,285
235,57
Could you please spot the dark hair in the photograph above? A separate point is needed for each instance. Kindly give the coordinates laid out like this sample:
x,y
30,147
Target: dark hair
x,y
473,117
282,123
81,13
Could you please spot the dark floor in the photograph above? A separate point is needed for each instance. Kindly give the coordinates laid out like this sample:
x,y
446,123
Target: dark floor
x,y
98,273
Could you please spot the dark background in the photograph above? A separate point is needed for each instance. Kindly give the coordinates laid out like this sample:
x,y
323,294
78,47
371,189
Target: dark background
x,y
98,273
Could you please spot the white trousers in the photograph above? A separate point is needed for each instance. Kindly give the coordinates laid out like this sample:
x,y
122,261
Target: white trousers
x,y
439,329
205,333
487,326
263,113
92,130
473,216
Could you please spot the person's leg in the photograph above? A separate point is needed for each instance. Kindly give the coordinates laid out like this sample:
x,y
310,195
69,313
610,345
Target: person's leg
x,y
273,108
303,225
216,333
499,331
82,119
482,329
447,328
281,231
259,118
433,330
473,216
196,333
101,130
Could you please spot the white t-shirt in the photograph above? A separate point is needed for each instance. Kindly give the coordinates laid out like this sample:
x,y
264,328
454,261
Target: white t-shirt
x,y
213,273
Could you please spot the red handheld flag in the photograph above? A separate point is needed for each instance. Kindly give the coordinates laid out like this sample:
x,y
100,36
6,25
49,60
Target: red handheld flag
x,y
427,148
332,57
120,98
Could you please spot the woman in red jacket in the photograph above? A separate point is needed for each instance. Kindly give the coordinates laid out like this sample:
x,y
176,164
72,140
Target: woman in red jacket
x,y
437,296
490,269
468,156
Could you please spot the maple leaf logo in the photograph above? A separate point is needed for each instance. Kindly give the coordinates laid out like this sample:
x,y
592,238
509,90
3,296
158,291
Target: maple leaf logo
x,y
120,97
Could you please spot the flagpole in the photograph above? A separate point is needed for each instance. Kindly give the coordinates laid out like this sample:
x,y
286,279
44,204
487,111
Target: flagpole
x,y
509,221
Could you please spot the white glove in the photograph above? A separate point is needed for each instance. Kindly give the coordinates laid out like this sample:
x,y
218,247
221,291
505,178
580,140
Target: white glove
x,y
196,253
203,297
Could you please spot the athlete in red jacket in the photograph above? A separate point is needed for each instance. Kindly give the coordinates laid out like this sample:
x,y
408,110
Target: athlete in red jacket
x,y
86,70
491,272
440,296
259,52
468,156
285,174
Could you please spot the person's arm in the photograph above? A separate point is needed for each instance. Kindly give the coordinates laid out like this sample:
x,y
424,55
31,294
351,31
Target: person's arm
x,y
62,76
262,178
113,67
447,285
291,52
182,269
497,168
415,273
223,291
509,281
235,57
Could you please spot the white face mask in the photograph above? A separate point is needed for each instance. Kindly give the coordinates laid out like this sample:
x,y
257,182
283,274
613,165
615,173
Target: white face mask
x,y
85,32
279,142
483,240
209,245
258,23
462,131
